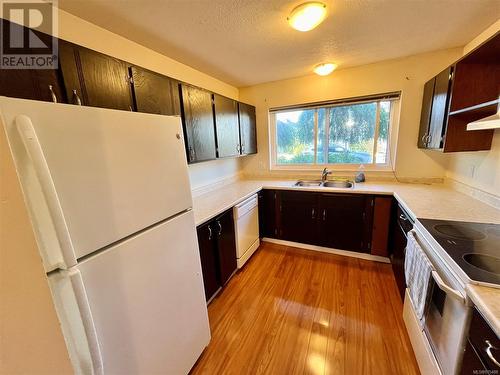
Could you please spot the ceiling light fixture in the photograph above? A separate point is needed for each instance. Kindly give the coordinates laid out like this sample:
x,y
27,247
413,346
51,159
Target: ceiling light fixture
x,y
324,69
307,16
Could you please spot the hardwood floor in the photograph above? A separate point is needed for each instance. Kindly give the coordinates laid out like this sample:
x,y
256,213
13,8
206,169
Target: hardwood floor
x,y
292,311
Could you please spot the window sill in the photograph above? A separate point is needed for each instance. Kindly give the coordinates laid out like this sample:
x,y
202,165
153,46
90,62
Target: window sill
x,y
333,167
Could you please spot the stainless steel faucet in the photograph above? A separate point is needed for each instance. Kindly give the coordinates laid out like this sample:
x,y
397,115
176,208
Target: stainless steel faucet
x,y
324,174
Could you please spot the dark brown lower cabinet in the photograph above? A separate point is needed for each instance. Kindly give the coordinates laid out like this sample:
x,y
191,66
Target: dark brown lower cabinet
x,y
226,245
208,259
338,220
382,207
344,221
298,212
401,224
482,352
268,210
216,241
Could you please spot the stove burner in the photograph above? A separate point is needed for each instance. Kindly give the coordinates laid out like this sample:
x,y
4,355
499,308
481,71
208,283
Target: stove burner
x,y
484,262
459,232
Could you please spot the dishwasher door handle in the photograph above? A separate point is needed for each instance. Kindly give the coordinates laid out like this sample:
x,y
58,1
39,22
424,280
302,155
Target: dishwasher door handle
x,y
445,288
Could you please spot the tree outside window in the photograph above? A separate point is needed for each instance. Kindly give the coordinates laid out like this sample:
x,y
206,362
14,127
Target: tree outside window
x,y
343,134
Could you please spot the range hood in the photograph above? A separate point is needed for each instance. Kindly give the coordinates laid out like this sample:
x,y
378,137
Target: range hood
x,y
490,122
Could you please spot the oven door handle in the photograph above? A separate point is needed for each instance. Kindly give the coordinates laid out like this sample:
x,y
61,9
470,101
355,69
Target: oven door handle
x,y
445,288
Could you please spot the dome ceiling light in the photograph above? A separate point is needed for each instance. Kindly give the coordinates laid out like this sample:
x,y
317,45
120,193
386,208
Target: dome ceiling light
x,y
324,69
307,16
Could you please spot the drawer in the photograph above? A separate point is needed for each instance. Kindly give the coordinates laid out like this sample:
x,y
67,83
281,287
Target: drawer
x,y
484,341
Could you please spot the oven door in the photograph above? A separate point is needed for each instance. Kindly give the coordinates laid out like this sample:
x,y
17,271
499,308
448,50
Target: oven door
x,y
445,321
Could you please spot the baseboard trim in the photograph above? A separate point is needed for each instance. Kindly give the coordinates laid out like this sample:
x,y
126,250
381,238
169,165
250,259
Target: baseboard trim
x,y
329,250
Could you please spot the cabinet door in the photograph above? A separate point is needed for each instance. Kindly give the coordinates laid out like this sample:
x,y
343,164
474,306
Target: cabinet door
x,y
155,93
471,362
34,84
425,116
105,79
68,56
439,112
298,216
209,262
226,244
226,126
248,129
380,226
268,201
344,221
99,80
198,122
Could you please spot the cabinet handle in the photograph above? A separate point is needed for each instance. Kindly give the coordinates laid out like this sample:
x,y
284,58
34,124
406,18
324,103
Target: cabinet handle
x,y
52,94
490,354
429,138
313,213
423,138
238,148
220,228
209,233
324,214
403,217
76,98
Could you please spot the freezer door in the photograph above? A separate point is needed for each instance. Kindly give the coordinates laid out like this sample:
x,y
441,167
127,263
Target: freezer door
x,y
142,309
93,176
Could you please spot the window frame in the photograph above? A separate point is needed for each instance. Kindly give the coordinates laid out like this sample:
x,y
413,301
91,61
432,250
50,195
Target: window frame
x,y
392,137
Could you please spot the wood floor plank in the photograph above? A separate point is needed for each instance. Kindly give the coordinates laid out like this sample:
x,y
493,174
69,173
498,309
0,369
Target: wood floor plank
x,y
293,311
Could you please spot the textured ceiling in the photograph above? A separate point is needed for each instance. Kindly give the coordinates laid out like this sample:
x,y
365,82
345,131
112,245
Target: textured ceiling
x,y
244,42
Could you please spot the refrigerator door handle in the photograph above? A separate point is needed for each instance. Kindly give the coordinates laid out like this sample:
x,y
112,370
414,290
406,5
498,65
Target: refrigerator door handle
x,y
73,310
35,155
88,323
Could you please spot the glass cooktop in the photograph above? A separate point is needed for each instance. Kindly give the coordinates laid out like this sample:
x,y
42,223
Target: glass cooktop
x,y
475,247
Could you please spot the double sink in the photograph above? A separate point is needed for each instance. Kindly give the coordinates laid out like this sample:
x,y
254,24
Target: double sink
x,y
339,184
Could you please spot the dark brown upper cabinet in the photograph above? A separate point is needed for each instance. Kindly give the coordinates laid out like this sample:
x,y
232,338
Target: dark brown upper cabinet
x,y
425,116
440,103
94,79
198,123
467,91
248,129
226,126
214,126
155,93
34,84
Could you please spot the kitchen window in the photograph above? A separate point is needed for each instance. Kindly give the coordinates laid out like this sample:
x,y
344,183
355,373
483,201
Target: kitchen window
x,y
344,133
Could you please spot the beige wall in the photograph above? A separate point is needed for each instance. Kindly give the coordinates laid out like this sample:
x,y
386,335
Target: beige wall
x,y
407,74
81,32
480,170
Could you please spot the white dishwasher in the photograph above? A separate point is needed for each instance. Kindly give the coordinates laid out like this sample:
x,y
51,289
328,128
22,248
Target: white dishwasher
x,y
246,226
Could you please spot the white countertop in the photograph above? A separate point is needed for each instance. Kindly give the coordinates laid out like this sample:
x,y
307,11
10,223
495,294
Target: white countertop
x,y
436,201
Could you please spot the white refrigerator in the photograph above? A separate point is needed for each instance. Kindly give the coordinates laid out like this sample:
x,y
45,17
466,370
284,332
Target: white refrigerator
x,y
109,200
